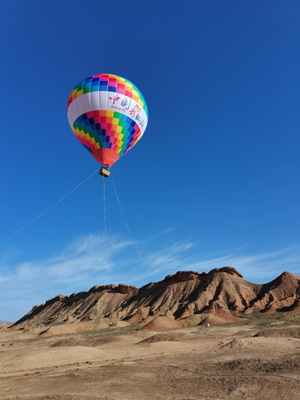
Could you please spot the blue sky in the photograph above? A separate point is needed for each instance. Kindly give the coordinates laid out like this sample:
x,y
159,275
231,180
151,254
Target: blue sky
x,y
215,179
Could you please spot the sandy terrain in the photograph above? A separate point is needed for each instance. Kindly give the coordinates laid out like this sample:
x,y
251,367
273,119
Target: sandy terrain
x,y
254,359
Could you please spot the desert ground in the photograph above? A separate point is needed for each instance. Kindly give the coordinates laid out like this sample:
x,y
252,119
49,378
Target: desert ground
x,y
257,358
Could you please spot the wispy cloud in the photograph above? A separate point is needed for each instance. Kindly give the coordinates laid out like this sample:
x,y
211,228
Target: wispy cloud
x,y
169,258
84,263
256,267
81,265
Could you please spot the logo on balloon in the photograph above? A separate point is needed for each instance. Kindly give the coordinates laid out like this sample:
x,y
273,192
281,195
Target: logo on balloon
x,y
114,99
125,107
126,103
134,112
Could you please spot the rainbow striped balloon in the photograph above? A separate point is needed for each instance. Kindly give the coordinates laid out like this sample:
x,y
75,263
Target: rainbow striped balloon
x,y
108,115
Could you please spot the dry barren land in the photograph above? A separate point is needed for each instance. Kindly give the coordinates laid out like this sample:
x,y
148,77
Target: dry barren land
x,y
257,358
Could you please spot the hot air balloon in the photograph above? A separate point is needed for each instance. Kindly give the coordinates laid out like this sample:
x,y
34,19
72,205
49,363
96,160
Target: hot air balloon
x,y
108,115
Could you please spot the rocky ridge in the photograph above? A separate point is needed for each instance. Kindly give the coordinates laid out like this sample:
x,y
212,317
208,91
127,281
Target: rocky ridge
x,y
183,299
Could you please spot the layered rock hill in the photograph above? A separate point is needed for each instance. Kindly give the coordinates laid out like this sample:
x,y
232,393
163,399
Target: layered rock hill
x,y
185,298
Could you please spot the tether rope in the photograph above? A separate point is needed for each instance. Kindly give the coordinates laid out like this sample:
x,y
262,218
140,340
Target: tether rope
x,y
105,228
134,242
48,209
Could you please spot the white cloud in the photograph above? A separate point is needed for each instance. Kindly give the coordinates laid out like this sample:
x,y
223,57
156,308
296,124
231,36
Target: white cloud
x,y
259,268
169,258
83,264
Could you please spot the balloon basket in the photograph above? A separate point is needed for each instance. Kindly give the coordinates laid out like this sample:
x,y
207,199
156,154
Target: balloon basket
x,y
105,172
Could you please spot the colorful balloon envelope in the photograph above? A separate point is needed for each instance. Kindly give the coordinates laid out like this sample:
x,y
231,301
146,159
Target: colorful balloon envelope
x,y
108,115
